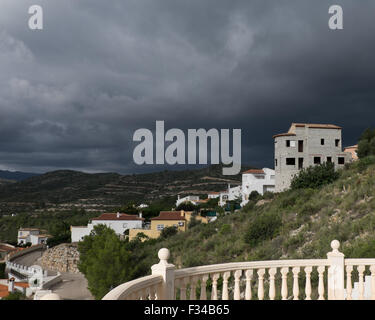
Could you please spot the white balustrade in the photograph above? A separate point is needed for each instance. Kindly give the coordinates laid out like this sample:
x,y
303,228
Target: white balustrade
x,y
166,282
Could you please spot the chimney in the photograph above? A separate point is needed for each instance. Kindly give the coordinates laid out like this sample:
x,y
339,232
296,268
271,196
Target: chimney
x,y
11,285
140,214
178,197
118,215
182,213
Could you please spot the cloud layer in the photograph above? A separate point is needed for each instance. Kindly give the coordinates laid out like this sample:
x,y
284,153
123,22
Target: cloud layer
x,y
72,95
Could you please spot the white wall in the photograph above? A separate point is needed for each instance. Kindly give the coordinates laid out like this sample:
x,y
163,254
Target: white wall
x,y
34,239
119,226
77,233
255,182
192,199
229,195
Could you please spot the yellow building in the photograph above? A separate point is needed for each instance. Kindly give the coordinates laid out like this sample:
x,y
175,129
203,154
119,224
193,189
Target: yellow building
x,y
178,219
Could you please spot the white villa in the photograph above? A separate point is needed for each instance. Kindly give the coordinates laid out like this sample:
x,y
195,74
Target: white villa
x,y
260,180
230,194
119,222
31,235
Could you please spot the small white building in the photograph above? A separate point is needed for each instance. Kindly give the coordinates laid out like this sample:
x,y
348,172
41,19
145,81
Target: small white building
x,y
142,206
119,222
192,199
32,235
213,195
230,194
260,180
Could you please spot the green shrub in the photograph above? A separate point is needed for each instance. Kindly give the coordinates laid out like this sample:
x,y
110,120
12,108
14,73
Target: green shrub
x,y
168,232
366,144
193,222
315,176
16,295
264,227
363,163
225,229
254,195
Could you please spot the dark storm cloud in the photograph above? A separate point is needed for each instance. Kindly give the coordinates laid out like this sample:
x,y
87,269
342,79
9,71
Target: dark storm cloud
x,y
72,95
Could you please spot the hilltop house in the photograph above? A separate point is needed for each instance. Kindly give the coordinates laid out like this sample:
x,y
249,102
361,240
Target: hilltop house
x,y
178,219
119,222
353,151
32,235
306,145
260,180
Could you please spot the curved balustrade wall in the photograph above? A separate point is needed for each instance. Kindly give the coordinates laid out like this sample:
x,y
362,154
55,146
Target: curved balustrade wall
x,y
318,279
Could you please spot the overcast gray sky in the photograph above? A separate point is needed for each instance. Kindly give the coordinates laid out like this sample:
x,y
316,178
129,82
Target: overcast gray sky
x,y
72,95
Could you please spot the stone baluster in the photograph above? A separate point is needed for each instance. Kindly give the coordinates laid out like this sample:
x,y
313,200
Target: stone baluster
x,y
249,276
321,270
155,291
237,293
308,271
203,295
372,269
336,272
225,295
261,273
295,271
166,271
284,284
349,270
193,286
177,285
143,294
215,277
183,283
272,291
361,288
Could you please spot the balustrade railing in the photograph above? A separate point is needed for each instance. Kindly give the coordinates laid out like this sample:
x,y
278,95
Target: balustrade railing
x,y
318,279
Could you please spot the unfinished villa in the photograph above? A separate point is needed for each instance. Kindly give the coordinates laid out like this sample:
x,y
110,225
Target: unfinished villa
x,y
306,145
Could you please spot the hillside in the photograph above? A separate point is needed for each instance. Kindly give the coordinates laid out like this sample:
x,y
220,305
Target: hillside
x,y
65,188
294,224
15,175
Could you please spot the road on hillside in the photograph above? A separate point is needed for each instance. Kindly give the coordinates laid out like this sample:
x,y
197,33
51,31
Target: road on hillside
x,y
29,259
73,285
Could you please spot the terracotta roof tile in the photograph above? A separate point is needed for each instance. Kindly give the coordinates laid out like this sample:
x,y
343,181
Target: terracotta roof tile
x,y
6,248
259,171
113,216
170,215
291,131
21,284
3,291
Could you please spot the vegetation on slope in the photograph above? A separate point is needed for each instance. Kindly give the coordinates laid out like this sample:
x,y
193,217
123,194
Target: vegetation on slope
x,y
294,224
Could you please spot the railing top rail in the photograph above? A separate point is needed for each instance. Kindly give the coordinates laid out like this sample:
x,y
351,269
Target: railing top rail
x,y
233,266
362,261
125,289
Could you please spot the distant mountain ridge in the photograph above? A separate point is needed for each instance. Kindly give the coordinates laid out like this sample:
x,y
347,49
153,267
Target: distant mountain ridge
x,y
67,186
16,175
